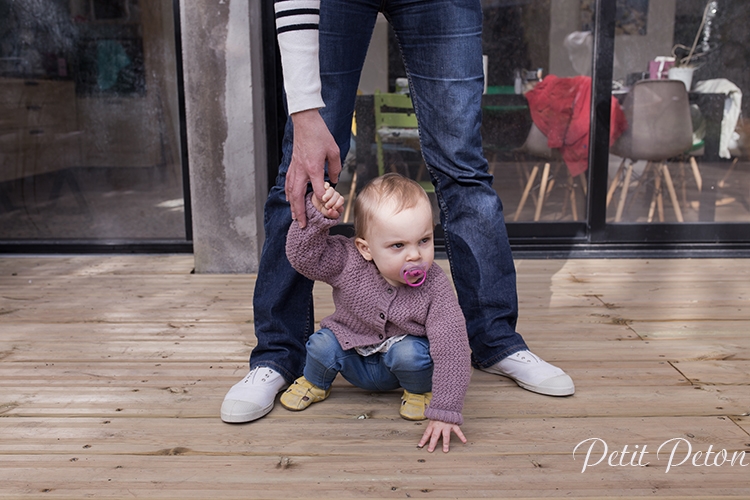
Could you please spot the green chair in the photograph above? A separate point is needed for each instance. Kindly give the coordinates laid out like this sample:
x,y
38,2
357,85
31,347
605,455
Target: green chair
x,y
396,130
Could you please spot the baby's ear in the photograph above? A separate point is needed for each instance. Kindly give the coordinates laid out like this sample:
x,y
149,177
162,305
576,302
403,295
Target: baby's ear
x,y
363,248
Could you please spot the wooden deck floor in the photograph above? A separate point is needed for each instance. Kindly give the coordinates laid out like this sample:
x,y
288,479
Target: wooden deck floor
x,y
113,369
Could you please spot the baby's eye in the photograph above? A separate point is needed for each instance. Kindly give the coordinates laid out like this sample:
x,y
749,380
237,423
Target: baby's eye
x,y
424,240
397,245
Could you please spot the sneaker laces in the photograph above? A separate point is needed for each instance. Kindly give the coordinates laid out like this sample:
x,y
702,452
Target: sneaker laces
x,y
261,372
525,357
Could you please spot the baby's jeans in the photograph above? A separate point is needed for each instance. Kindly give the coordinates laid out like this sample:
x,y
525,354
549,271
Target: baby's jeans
x,y
407,364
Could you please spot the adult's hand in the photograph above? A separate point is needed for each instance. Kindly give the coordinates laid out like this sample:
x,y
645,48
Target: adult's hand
x,y
313,146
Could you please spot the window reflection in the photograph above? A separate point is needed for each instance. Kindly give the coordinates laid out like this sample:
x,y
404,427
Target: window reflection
x,y
697,43
523,43
89,121
710,179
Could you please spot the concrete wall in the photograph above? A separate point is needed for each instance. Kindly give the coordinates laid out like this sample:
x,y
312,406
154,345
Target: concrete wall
x,y
221,44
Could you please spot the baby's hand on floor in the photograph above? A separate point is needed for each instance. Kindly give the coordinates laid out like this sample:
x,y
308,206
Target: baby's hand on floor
x,y
437,429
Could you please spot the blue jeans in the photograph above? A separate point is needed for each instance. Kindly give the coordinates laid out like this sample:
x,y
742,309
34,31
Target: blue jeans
x,y
406,364
441,43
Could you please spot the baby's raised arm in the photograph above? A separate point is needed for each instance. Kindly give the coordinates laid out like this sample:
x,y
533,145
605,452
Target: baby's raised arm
x,y
332,203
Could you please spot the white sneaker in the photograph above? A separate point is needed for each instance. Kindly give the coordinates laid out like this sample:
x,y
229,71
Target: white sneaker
x,y
534,374
253,396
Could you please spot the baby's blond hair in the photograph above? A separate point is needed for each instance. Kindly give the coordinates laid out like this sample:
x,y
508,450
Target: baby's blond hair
x,y
404,192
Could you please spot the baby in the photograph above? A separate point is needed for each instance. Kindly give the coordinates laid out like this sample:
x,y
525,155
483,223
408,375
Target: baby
x,y
397,322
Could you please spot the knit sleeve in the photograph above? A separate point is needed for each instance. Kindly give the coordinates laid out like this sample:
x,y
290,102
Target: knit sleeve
x,y
449,348
297,32
311,251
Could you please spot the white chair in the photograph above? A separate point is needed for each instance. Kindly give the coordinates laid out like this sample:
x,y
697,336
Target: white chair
x,y
659,128
537,145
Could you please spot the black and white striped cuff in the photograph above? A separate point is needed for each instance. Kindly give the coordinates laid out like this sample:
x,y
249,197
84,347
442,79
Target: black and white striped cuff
x,y
296,15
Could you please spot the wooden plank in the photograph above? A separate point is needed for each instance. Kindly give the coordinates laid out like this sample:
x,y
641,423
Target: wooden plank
x,y
651,269
675,300
237,350
14,331
409,474
179,299
726,372
694,329
128,332
186,309
87,437
497,398
55,265
606,270
743,421
156,350
133,374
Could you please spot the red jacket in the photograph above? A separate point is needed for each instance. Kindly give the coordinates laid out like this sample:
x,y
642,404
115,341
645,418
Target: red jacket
x,y
561,108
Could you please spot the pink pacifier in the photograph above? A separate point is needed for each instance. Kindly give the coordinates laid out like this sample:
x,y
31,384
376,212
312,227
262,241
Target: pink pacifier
x,y
414,275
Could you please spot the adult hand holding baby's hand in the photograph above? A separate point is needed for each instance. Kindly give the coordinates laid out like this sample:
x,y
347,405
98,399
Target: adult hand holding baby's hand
x,y
332,203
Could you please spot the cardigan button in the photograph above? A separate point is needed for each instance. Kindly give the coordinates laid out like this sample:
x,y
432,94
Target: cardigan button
x,y
382,316
390,290
380,336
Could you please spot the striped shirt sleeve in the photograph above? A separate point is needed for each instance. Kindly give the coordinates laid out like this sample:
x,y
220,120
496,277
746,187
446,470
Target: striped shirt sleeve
x,y
297,33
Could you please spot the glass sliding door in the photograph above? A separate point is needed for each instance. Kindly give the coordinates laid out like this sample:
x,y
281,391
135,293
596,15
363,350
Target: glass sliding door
x,y
681,79
593,144
528,46
90,146
537,108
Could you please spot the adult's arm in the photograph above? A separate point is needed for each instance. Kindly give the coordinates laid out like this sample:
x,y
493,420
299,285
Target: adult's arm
x,y
297,32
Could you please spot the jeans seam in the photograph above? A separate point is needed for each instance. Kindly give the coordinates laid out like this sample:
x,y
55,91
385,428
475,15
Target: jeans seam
x,y
411,90
310,312
325,376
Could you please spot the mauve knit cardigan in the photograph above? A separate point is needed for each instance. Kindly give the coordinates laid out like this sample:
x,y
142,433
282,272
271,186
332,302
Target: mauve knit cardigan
x,y
369,309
